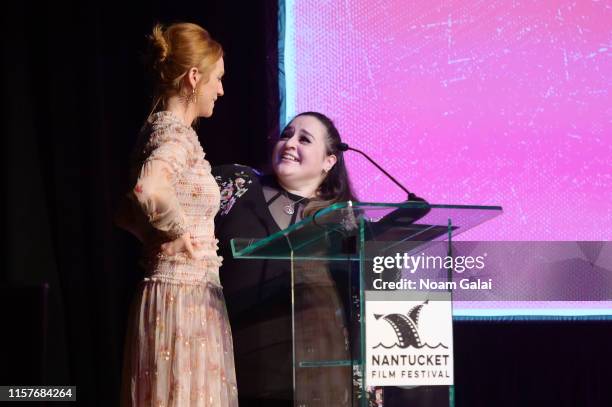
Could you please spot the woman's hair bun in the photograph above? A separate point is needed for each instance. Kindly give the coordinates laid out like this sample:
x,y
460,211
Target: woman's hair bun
x,y
160,49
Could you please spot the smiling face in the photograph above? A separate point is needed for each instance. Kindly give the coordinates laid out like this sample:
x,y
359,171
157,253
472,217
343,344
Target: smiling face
x,y
210,90
300,155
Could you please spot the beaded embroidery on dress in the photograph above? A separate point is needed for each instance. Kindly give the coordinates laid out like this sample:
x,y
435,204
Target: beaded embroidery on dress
x,y
179,345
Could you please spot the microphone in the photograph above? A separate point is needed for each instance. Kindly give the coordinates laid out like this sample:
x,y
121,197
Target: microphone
x,y
411,197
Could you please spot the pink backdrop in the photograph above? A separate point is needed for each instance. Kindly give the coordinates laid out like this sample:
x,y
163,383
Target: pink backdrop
x,y
468,102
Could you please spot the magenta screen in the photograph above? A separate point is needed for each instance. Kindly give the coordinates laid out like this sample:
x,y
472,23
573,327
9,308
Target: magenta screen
x,y
467,102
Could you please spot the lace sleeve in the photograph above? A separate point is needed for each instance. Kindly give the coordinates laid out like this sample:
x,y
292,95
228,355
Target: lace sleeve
x,y
154,189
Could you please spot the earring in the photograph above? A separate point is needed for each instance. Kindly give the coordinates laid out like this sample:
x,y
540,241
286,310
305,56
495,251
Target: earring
x,y
193,98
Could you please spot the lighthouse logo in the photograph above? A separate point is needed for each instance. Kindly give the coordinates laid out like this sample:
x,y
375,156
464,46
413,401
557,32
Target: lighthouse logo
x,y
408,343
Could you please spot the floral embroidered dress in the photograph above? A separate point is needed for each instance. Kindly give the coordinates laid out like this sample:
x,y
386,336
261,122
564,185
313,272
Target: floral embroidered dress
x,y
179,345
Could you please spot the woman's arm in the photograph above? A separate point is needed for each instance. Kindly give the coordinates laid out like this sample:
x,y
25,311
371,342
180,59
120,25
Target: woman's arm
x,y
154,190
130,218
155,193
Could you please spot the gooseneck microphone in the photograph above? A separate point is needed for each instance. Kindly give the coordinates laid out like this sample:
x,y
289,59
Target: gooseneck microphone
x,y
345,147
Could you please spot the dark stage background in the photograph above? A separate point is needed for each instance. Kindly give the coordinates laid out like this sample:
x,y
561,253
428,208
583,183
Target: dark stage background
x,y
74,96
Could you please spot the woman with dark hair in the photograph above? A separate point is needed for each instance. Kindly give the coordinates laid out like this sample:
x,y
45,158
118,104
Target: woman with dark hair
x,y
309,173
333,183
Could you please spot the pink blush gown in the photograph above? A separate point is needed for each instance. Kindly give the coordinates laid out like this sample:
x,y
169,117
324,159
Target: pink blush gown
x,y
179,344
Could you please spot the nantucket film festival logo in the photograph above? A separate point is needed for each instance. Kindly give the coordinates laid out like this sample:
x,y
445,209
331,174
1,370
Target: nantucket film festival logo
x,y
409,343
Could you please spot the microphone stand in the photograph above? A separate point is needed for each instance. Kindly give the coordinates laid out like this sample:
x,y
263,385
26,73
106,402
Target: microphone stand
x,y
344,147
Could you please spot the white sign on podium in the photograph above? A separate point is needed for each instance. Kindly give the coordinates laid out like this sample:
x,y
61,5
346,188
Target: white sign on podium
x,y
408,342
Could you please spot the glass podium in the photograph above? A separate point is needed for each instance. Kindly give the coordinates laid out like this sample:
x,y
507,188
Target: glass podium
x,y
331,256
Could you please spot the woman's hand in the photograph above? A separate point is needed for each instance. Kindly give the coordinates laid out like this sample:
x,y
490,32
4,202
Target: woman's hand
x,y
182,244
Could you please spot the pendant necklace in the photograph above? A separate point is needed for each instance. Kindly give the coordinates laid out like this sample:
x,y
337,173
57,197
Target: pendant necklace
x,y
290,208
